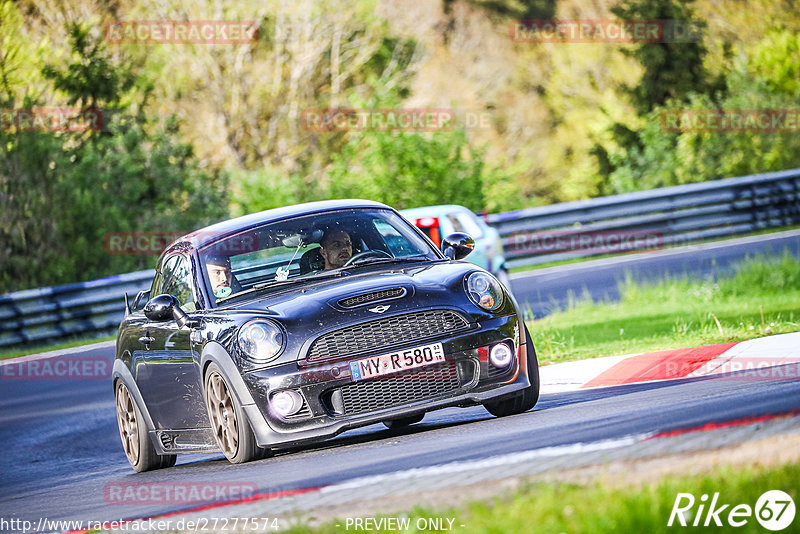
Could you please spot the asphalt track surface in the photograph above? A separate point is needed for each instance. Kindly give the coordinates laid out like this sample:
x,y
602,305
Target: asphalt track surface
x,y
61,446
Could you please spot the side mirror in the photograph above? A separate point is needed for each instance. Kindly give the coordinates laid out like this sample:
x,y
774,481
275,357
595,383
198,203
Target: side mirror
x,y
457,245
165,307
160,308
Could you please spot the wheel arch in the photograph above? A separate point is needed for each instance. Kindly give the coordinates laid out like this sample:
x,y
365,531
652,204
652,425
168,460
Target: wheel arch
x,y
121,373
214,352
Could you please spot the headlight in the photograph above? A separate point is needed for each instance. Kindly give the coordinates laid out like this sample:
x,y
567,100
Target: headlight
x,y
261,340
485,291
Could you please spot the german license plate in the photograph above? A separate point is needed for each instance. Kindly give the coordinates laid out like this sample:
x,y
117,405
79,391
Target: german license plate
x,y
395,362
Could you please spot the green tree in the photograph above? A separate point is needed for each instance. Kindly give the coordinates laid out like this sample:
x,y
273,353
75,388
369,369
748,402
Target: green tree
x,y
62,192
673,71
409,169
767,79
403,169
91,78
673,68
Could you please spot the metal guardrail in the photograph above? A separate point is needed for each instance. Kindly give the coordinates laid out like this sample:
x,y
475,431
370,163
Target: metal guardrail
x,y
85,309
658,218
661,217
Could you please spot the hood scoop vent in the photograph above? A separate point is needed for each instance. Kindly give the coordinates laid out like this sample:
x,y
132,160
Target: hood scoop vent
x,y
373,296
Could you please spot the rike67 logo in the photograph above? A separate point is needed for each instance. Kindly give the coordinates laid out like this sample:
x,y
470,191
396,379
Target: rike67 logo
x,y
774,510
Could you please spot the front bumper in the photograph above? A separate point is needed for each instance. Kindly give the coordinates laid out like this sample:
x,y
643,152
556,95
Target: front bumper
x,y
335,403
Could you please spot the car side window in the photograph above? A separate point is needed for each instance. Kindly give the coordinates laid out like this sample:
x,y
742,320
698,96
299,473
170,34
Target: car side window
x,y
177,274
158,281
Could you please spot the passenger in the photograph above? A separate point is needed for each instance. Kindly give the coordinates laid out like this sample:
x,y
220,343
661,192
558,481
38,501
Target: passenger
x,y
223,283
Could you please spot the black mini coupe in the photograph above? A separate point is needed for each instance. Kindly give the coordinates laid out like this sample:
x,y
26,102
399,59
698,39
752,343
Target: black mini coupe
x,y
295,324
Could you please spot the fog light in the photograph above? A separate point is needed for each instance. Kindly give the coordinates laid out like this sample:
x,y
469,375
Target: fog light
x,y
500,355
286,403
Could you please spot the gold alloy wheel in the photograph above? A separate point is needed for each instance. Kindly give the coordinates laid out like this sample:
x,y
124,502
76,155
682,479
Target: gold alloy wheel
x,y
222,414
128,425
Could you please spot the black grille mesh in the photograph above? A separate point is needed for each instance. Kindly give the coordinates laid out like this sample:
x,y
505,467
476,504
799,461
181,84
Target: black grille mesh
x,y
386,332
402,388
304,412
494,372
366,298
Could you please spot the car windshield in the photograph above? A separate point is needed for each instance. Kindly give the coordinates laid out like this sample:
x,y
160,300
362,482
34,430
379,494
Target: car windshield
x,y
310,247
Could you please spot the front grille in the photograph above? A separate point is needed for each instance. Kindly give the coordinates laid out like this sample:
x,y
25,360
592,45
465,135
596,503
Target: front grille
x,y
366,298
384,333
402,388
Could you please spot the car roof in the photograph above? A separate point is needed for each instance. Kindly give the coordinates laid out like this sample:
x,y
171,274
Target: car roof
x,y
245,222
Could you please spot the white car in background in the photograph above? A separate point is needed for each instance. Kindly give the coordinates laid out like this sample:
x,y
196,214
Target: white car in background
x,y
440,221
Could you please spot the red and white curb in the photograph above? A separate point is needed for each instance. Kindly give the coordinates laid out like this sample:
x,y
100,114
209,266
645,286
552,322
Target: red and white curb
x,y
767,357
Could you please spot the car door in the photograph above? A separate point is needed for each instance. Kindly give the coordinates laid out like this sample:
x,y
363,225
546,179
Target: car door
x,y
170,379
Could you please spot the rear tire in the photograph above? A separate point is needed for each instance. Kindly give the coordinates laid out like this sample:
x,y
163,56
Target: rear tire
x,y
133,432
403,422
528,397
231,428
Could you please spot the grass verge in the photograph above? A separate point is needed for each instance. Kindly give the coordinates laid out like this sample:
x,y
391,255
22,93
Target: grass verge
x,y
761,298
603,506
77,342
570,261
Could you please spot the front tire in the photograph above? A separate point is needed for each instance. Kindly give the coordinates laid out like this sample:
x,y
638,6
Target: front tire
x,y
228,422
528,397
133,432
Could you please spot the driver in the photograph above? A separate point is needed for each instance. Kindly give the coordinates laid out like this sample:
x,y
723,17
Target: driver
x,y
221,277
336,248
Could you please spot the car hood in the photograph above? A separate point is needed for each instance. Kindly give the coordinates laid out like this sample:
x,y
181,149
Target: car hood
x,y
424,285
310,310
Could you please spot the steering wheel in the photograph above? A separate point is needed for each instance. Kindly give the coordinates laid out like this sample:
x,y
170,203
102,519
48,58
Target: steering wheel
x,y
366,254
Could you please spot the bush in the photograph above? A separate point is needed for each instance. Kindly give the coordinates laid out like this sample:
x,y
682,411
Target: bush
x,y
62,192
766,80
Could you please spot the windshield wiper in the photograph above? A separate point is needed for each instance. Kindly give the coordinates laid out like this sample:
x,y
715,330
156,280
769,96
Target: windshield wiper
x,y
373,261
